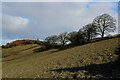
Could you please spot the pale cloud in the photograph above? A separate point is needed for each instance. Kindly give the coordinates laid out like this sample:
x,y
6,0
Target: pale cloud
x,y
106,8
4,41
0,29
14,23
46,0
50,18
60,0
105,0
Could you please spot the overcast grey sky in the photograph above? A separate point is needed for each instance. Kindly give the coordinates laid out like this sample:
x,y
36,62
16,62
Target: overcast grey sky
x,y
32,20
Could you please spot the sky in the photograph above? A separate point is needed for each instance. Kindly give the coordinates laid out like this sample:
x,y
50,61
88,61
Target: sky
x,y
37,20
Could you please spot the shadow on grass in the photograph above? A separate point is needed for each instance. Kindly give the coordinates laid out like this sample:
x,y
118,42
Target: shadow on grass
x,y
29,48
107,70
8,60
41,49
60,47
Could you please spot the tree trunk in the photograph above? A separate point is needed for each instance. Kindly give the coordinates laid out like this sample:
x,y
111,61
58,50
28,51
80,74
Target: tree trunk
x,y
88,40
102,35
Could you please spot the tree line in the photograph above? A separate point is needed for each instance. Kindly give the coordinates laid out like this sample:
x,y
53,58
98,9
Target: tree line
x,y
101,25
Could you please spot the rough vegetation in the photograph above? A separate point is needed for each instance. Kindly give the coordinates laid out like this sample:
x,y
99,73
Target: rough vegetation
x,y
94,60
68,55
22,42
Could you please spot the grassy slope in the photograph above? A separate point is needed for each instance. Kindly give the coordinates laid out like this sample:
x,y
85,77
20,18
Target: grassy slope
x,y
45,64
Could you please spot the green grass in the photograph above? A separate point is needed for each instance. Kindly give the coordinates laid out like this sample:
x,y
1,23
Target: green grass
x,y
24,62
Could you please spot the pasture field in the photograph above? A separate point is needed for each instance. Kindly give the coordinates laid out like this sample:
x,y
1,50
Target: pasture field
x,y
93,60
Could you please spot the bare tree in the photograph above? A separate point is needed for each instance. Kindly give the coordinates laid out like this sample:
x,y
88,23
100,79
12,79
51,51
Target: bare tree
x,y
73,38
81,35
89,31
105,24
63,38
51,39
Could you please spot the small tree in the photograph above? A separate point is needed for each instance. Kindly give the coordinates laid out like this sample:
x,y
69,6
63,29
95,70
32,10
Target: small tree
x,y
3,46
104,24
50,41
81,35
89,31
73,38
63,38
7,43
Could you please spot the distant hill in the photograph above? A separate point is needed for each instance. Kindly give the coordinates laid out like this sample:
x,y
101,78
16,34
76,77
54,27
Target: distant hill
x,y
22,42
117,35
26,42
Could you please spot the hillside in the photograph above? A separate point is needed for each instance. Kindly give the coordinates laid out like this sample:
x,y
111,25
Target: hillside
x,y
94,60
21,42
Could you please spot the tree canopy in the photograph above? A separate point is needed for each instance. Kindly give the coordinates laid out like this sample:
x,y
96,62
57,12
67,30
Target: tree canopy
x,y
104,24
